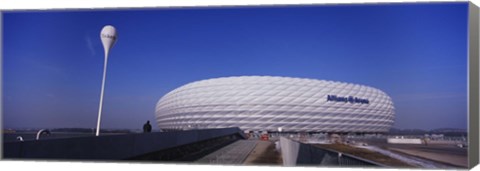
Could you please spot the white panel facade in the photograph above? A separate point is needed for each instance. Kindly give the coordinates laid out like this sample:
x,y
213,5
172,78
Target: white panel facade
x,y
265,103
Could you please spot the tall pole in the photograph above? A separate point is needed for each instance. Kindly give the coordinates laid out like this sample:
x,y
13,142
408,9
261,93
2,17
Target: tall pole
x,y
108,35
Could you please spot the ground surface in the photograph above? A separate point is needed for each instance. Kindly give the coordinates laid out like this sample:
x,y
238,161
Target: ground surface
x,y
366,154
447,154
443,154
264,154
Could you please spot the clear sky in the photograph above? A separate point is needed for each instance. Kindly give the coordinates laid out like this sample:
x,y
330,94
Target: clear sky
x,y
53,60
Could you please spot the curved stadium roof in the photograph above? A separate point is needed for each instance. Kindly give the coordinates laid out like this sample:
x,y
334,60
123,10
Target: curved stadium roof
x,y
265,103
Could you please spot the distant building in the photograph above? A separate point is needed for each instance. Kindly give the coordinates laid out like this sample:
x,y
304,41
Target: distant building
x,y
266,103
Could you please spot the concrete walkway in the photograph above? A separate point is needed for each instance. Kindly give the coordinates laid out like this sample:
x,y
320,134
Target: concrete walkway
x,y
235,153
264,153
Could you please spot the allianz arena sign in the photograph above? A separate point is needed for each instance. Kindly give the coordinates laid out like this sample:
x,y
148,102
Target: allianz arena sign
x,y
350,99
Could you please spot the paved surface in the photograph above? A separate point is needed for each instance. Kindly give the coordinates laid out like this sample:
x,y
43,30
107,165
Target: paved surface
x,y
264,154
406,158
442,154
235,153
447,154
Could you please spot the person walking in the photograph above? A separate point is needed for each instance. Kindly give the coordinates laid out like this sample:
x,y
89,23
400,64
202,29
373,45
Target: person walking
x,y
147,127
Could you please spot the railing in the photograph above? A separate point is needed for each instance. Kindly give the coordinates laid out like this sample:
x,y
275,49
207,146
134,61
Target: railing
x,y
112,147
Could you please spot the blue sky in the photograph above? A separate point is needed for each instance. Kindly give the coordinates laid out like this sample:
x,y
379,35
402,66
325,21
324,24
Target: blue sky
x,y
52,60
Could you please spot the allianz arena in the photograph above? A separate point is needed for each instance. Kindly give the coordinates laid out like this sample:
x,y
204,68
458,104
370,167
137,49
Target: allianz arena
x,y
266,103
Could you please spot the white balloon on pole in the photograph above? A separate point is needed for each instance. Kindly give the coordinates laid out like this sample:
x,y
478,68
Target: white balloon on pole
x,y
108,35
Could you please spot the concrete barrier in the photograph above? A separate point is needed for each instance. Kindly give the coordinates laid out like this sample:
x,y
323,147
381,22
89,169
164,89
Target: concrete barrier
x,y
446,142
404,141
110,147
301,154
289,150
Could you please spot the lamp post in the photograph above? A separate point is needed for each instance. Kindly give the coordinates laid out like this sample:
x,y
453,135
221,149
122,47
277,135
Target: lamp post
x,y
108,35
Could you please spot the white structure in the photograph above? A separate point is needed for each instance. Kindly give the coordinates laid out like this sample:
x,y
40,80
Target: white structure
x,y
404,141
108,35
265,103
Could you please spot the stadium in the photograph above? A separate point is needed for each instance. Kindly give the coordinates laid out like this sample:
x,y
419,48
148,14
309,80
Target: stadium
x,y
276,104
